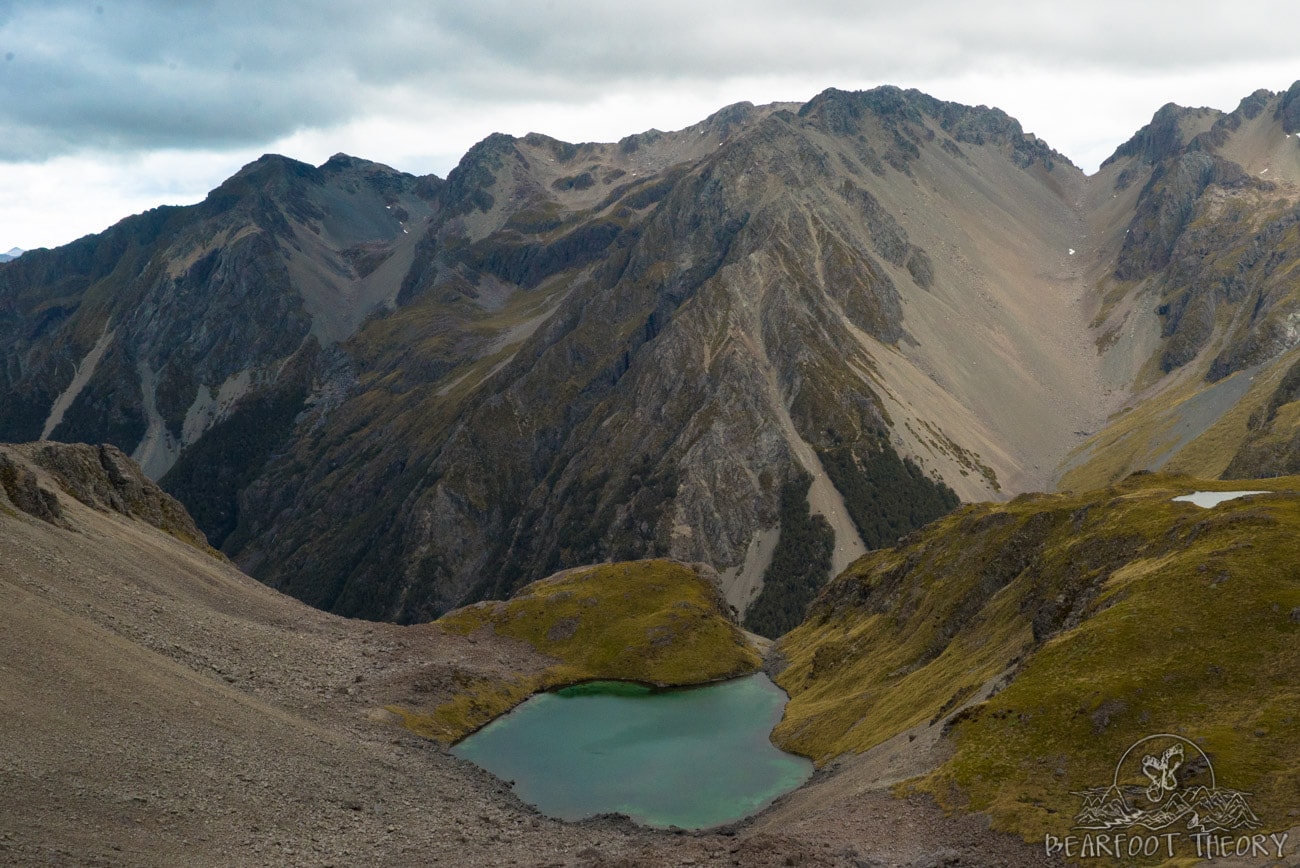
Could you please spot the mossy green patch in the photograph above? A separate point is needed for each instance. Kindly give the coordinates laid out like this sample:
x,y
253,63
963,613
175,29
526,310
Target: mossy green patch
x,y
654,622
800,564
1117,614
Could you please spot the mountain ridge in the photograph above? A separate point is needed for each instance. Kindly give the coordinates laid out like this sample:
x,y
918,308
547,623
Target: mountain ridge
x,y
565,353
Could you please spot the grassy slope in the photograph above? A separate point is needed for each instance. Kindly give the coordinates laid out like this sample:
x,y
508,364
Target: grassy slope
x,y
1136,439
655,622
1121,613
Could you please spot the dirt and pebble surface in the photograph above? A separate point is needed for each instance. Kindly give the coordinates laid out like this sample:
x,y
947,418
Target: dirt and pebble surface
x,y
161,708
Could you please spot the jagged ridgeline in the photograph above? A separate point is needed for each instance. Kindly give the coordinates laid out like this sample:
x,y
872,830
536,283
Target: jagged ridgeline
x,y
391,395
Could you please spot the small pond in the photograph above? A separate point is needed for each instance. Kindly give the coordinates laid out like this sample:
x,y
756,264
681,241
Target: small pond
x,y
692,758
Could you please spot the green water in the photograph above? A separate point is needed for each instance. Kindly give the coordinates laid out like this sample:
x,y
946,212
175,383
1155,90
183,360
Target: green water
x,y
688,758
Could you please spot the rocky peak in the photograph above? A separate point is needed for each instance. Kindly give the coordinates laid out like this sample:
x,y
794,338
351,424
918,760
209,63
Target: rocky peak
x,y
904,113
1288,109
1161,138
731,117
842,112
269,170
33,475
342,162
1251,106
467,186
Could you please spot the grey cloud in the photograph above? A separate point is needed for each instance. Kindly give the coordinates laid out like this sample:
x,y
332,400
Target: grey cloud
x,y
140,74
161,74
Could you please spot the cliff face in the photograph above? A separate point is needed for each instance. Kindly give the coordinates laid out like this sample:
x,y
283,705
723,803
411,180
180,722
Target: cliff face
x,y
143,336
655,336
571,353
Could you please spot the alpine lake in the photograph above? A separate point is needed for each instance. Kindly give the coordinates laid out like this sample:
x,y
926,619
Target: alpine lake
x,y
690,758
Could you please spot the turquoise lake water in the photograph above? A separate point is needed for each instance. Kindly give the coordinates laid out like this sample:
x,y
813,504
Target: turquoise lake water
x,y
693,758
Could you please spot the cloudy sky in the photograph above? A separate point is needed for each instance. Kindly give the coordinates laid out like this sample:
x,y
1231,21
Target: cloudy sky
x,y
109,107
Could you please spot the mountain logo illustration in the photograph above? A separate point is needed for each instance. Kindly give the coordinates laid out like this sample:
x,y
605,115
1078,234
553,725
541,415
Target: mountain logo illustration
x,y
1165,781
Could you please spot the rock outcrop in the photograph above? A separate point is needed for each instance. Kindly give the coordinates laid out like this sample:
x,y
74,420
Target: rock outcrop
x,y
101,477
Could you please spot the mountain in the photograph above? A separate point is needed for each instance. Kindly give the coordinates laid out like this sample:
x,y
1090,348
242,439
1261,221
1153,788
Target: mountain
x,y
143,335
13,253
785,335
1201,303
666,358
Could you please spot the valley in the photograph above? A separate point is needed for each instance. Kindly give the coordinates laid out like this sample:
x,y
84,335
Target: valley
x,y
180,711
883,379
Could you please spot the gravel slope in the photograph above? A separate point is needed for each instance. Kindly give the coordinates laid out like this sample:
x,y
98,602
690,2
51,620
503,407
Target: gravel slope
x,y
161,708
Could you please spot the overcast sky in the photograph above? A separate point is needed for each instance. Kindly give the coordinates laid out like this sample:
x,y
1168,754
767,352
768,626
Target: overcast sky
x,y
109,107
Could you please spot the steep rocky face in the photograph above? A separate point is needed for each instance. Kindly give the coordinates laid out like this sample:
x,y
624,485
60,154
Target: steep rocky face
x,y
647,360
613,351
101,477
145,335
1218,234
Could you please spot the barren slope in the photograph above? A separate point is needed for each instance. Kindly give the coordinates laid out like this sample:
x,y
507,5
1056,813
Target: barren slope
x,y
1200,218
161,707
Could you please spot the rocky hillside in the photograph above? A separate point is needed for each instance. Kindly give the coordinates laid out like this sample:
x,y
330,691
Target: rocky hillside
x,y
34,476
785,335
1094,620
1200,299
148,334
666,354
178,711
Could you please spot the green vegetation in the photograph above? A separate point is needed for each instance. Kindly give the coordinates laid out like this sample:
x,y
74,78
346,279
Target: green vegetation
x,y
1113,615
800,564
653,622
1150,432
887,497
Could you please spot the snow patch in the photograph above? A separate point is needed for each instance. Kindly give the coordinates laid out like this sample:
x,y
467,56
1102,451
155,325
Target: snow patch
x,y
1209,499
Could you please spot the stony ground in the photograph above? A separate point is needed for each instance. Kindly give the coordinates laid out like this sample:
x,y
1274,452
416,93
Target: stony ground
x,y
161,708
